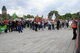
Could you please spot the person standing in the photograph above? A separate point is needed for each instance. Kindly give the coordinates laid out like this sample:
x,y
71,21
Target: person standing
x,y
49,25
13,25
62,23
58,24
33,25
19,26
1,23
10,26
36,26
39,25
42,25
70,24
74,27
5,22
67,23
16,25
53,25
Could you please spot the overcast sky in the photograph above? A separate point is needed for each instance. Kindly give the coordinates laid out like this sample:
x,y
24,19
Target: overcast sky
x,y
40,7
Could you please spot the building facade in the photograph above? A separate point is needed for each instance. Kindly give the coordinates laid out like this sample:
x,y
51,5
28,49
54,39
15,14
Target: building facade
x,y
4,12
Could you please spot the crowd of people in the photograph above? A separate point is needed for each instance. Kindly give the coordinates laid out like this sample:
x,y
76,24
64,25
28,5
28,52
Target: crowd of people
x,y
19,25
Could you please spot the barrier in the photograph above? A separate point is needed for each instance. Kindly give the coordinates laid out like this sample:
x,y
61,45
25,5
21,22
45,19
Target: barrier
x,y
78,38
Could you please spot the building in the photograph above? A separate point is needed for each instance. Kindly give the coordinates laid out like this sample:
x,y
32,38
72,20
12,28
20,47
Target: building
x,y
4,12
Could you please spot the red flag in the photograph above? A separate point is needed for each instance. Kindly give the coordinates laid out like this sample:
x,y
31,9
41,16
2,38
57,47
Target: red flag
x,y
36,18
39,19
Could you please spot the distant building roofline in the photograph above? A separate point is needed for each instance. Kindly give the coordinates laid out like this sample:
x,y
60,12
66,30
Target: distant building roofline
x,y
4,8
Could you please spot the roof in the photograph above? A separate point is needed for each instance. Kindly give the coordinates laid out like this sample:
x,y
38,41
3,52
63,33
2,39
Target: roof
x,y
3,8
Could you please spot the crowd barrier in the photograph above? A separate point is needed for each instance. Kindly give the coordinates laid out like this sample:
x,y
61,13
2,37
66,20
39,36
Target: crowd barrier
x,y
78,38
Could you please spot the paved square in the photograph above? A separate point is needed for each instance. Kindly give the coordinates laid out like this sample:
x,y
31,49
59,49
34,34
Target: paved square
x,y
54,41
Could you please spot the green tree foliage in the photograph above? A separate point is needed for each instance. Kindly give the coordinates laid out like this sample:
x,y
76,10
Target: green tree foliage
x,y
52,12
0,15
8,16
30,16
24,16
66,16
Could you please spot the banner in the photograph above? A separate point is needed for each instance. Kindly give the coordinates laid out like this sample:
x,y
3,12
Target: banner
x,y
3,28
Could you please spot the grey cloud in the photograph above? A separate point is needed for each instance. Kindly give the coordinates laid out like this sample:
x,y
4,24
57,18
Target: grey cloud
x,y
64,4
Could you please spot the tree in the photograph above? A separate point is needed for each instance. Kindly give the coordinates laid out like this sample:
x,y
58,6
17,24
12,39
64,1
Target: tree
x,y
68,15
30,16
0,15
52,12
24,16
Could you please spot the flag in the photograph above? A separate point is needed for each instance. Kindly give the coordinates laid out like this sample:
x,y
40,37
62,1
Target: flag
x,y
53,17
36,18
3,28
39,19
14,16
